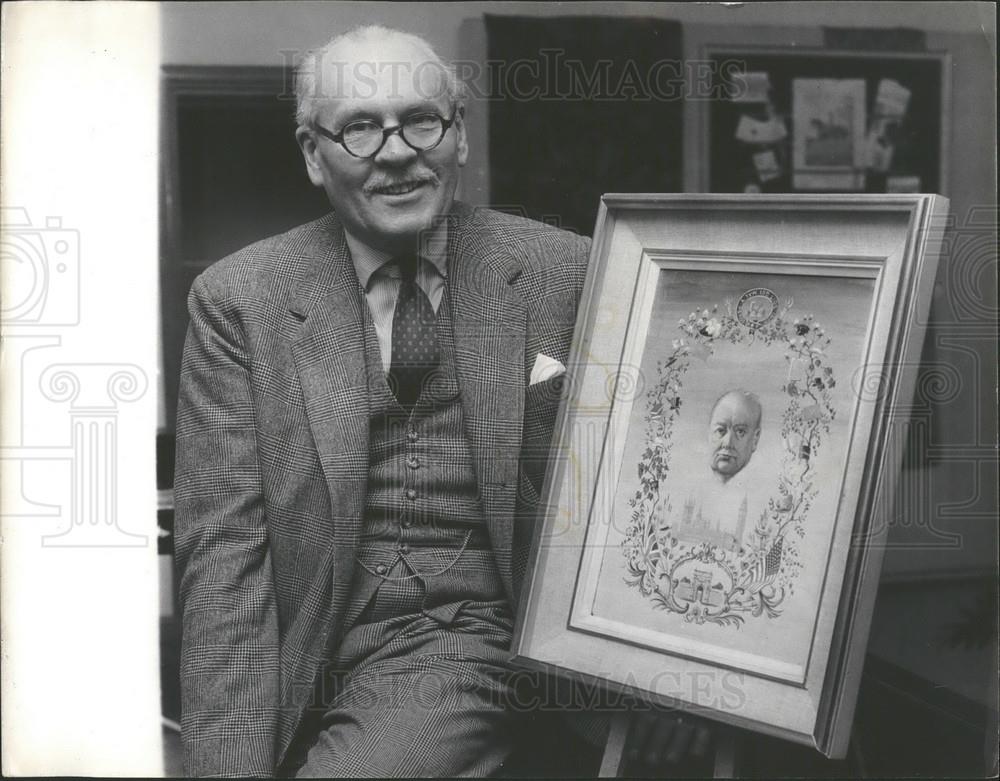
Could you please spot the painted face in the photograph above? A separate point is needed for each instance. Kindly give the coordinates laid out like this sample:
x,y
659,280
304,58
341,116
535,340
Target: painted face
x,y
385,201
732,434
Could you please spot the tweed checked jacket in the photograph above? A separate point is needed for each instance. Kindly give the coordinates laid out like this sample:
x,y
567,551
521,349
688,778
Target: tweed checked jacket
x,y
272,443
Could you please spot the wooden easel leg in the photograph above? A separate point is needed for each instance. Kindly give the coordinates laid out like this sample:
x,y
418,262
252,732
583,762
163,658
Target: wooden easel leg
x,y
726,750
854,750
614,750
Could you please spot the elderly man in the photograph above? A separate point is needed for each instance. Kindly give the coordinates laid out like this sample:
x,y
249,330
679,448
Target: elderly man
x,y
361,442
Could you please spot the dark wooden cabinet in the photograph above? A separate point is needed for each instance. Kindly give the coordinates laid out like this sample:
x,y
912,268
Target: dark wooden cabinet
x,y
231,174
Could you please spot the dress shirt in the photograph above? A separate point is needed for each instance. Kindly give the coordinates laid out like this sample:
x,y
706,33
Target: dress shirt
x,y
380,281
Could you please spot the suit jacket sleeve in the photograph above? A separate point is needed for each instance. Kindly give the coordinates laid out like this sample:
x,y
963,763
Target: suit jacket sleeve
x,y
229,647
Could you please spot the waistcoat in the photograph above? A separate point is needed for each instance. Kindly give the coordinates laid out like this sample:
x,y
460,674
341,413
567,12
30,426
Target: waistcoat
x,y
424,544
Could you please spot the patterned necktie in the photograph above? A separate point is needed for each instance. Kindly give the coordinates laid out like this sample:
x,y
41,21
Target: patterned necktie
x,y
414,341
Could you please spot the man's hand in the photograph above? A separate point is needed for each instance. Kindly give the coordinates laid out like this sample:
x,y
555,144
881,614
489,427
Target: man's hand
x,y
663,738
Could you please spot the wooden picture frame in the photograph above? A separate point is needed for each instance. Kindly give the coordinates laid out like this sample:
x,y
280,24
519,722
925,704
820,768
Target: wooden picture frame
x,y
709,534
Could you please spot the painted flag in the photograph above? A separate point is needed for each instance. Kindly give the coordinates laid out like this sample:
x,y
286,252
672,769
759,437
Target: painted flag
x,y
765,569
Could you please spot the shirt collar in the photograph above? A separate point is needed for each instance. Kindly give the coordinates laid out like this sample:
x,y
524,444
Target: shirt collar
x,y
368,260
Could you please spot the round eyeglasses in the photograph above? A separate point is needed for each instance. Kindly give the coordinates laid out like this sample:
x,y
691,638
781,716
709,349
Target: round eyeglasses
x,y
365,138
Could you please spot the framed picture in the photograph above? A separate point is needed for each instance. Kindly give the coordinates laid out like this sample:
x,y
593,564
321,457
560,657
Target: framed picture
x,y
828,143
710,534
826,120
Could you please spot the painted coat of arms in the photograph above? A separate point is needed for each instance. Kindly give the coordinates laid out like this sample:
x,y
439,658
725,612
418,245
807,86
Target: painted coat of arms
x,y
713,555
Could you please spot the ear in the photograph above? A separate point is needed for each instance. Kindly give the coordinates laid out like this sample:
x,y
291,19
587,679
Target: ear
x,y
310,153
756,439
462,141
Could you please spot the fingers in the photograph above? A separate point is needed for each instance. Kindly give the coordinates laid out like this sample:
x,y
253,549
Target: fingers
x,y
660,740
642,724
678,748
701,741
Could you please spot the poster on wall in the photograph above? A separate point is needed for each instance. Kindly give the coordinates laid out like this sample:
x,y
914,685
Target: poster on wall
x,y
829,137
848,120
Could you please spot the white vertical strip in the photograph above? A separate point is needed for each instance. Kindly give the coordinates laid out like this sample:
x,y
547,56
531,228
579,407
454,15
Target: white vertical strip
x,y
79,611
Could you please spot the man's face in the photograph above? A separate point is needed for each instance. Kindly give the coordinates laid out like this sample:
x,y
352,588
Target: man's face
x,y
733,433
384,201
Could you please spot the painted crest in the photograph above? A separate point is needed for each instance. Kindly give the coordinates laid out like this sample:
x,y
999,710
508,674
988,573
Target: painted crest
x,y
757,307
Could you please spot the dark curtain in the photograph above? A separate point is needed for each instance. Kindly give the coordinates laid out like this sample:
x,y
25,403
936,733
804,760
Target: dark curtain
x,y
582,106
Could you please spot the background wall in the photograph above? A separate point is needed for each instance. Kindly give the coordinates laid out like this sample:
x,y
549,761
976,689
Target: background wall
x,y
273,33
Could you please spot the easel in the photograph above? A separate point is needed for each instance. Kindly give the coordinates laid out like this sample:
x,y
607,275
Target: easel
x,y
613,761
728,742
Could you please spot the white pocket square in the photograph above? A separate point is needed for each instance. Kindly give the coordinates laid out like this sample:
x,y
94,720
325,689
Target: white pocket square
x,y
545,368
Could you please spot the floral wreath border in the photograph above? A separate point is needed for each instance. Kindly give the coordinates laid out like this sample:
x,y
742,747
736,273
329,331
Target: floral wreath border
x,y
762,574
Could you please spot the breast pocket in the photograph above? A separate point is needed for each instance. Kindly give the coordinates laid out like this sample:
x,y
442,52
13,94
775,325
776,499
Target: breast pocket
x,y
541,405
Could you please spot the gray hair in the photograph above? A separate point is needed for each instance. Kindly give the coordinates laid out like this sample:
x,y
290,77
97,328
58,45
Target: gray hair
x,y
307,97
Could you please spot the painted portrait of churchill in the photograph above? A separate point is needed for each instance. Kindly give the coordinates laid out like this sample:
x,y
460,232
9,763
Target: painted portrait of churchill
x,y
733,433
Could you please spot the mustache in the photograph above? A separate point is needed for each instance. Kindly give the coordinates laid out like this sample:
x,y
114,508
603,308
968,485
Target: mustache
x,y
382,182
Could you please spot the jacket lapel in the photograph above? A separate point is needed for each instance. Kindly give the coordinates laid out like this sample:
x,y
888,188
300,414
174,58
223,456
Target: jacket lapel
x,y
329,354
489,325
